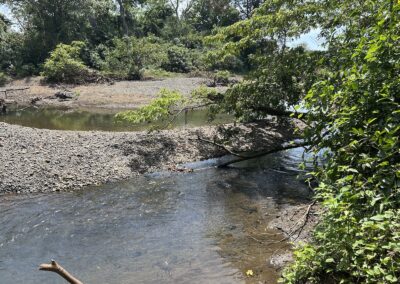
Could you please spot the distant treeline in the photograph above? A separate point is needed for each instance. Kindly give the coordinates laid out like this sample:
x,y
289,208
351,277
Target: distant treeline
x,y
118,38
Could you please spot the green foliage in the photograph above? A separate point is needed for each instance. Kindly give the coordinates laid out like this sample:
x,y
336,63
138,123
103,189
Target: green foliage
x,y
280,75
129,27
222,77
3,79
178,60
156,16
357,110
205,15
207,97
219,59
127,57
158,73
46,23
65,65
11,52
159,109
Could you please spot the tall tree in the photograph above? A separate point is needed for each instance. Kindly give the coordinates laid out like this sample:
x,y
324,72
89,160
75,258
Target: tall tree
x,y
247,7
204,15
123,16
45,23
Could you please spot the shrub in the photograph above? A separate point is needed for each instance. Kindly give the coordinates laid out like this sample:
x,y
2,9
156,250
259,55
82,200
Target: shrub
x,y
3,79
65,65
27,70
127,57
222,78
223,61
178,60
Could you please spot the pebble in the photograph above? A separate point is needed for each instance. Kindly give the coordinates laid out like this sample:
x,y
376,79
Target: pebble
x,y
40,160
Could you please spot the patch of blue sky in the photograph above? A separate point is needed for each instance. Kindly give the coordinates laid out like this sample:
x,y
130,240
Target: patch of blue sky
x,y
5,11
310,39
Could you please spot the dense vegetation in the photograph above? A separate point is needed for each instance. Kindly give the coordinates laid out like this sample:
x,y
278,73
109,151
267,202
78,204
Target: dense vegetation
x,y
357,107
351,91
119,39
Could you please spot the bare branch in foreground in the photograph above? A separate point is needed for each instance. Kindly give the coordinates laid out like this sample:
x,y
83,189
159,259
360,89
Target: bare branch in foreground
x,y
55,267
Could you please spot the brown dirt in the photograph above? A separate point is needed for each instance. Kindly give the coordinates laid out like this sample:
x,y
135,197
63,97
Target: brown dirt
x,y
120,95
296,222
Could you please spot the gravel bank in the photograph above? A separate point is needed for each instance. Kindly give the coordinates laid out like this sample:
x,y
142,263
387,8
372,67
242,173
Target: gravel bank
x,y
36,160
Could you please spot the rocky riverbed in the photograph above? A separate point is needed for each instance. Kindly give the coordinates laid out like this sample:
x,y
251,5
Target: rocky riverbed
x,y
37,160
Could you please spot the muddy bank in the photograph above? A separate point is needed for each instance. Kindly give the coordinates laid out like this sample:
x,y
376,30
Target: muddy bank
x,y
36,160
296,223
116,95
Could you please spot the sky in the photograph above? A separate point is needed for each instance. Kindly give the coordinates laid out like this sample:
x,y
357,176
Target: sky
x,y
4,10
311,40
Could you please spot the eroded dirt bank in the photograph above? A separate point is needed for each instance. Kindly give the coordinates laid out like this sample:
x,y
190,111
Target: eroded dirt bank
x,y
36,160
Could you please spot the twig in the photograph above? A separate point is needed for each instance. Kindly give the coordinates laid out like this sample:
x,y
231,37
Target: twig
x,y
10,90
55,267
19,89
185,109
305,217
221,146
173,118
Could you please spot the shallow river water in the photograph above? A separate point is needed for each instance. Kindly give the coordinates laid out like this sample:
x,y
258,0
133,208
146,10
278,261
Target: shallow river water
x,y
209,226
97,119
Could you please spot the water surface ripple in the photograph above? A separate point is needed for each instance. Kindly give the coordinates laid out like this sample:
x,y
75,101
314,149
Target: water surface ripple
x,y
199,227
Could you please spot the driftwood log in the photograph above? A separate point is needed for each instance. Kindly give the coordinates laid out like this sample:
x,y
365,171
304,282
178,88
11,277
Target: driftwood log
x,y
13,90
55,267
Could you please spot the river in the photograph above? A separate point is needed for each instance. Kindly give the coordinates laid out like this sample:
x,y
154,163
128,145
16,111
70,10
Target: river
x,y
96,119
208,226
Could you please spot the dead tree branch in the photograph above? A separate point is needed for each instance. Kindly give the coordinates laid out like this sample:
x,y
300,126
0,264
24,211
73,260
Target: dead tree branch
x,y
12,90
303,222
55,267
222,147
263,153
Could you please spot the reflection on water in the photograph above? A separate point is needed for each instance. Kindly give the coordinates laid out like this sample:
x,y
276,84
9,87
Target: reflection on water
x,y
62,119
209,226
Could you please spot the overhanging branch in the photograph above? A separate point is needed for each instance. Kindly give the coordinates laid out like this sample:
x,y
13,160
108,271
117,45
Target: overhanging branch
x,y
278,112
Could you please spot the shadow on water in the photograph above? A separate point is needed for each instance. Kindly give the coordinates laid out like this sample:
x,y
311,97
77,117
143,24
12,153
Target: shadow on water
x,y
103,120
209,226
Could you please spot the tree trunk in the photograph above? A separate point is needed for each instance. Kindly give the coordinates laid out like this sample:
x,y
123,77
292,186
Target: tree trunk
x,y
123,17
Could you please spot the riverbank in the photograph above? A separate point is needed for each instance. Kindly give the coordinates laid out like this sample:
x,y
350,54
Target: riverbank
x,y
114,95
38,160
